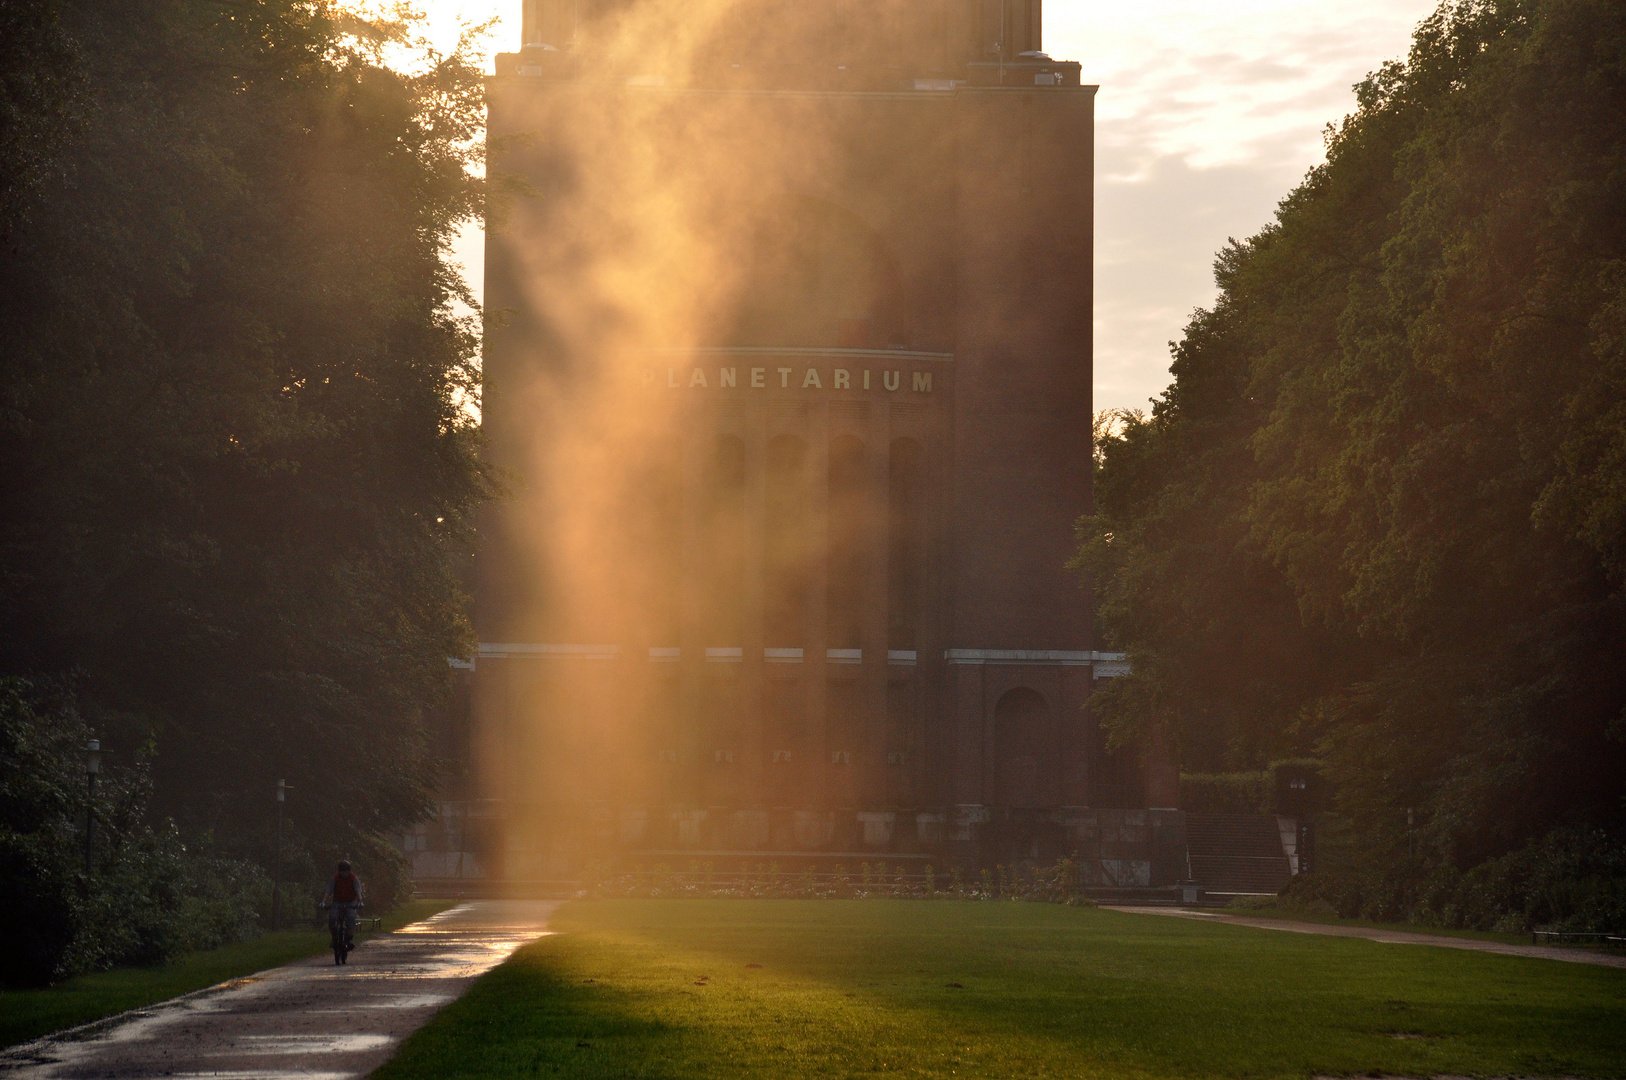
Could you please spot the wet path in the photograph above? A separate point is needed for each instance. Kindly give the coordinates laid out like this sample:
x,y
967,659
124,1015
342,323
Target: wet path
x,y
310,1020
1391,937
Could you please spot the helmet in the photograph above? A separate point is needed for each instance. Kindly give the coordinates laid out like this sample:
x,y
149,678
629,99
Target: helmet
x,y
344,866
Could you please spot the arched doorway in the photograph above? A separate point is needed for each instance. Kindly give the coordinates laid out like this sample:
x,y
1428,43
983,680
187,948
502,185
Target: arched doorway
x,y
1025,751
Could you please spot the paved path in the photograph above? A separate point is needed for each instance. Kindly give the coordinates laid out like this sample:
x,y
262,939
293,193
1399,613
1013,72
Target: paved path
x,y
1392,937
311,1020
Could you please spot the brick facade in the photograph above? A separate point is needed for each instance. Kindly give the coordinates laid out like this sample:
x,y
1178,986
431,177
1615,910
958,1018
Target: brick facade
x,y
846,625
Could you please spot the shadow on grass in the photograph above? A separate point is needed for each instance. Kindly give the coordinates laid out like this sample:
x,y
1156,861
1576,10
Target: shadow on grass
x,y
828,988
532,1016
671,988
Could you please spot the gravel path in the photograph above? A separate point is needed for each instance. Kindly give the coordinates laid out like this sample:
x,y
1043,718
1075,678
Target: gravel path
x,y
1392,937
310,1020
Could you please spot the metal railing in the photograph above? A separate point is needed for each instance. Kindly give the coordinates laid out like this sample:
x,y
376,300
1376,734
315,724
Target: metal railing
x,y
878,879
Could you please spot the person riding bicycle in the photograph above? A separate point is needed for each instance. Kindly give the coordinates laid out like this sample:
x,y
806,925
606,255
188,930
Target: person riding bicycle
x,y
344,896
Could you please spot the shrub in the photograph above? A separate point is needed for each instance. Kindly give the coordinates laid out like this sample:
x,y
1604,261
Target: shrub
x,y
1571,879
148,896
1260,792
1223,793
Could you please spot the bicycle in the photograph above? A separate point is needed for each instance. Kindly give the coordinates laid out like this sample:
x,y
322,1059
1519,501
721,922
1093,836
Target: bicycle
x,y
341,925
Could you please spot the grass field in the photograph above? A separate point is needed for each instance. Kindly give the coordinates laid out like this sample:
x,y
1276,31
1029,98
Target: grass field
x,y
28,1014
672,988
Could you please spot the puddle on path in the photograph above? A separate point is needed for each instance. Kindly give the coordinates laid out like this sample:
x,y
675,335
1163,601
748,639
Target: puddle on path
x,y
399,1001
310,1044
307,1021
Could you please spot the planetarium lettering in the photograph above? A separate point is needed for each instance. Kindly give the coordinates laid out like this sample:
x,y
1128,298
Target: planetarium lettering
x,y
784,378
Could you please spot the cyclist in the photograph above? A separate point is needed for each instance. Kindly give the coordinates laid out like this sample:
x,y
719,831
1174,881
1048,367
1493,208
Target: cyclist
x,y
344,896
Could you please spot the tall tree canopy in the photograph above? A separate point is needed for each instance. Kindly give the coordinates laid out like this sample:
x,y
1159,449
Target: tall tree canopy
x,y
1380,515
239,467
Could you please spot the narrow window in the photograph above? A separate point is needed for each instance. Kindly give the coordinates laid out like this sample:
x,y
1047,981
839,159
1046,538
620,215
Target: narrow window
x,y
785,544
724,542
848,520
906,546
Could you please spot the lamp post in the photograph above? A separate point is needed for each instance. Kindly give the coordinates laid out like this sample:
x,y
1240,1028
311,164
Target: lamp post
x,y
276,859
1300,789
93,766
1411,864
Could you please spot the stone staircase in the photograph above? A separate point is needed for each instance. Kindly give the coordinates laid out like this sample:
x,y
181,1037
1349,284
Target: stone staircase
x,y
1236,853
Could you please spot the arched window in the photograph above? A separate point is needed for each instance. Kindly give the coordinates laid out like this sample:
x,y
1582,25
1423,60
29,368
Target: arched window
x,y
785,543
847,519
906,542
724,542
1025,751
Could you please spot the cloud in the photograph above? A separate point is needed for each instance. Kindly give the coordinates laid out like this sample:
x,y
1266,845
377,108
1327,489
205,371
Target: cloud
x,y
1208,115
1158,226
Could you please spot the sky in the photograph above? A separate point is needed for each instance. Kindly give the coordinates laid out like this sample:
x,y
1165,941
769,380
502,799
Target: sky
x,y
1208,114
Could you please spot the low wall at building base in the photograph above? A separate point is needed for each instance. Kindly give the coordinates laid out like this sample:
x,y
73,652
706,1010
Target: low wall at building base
x,y
1115,849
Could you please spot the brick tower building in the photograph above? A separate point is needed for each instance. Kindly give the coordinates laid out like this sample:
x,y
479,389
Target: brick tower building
x,y
850,628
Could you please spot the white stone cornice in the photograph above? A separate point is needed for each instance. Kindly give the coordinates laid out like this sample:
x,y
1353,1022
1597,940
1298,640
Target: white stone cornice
x,y
499,650
1106,664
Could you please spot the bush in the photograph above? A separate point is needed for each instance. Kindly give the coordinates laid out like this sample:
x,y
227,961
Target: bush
x,y
1572,879
1223,793
1260,792
148,897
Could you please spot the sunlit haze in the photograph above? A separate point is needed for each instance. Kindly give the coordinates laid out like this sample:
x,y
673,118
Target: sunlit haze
x,y
1207,116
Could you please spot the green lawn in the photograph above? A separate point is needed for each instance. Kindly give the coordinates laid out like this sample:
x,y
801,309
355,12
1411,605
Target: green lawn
x,y
671,988
28,1014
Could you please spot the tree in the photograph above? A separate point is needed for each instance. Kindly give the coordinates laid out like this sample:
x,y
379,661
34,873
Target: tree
x,y
240,463
1377,515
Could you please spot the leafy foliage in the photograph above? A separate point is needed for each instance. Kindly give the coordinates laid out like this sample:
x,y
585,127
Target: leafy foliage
x,y
1573,879
240,464
1378,516
148,898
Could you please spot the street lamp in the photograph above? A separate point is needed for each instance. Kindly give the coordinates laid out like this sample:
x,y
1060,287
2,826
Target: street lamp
x,y
283,787
93,766
1299,789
